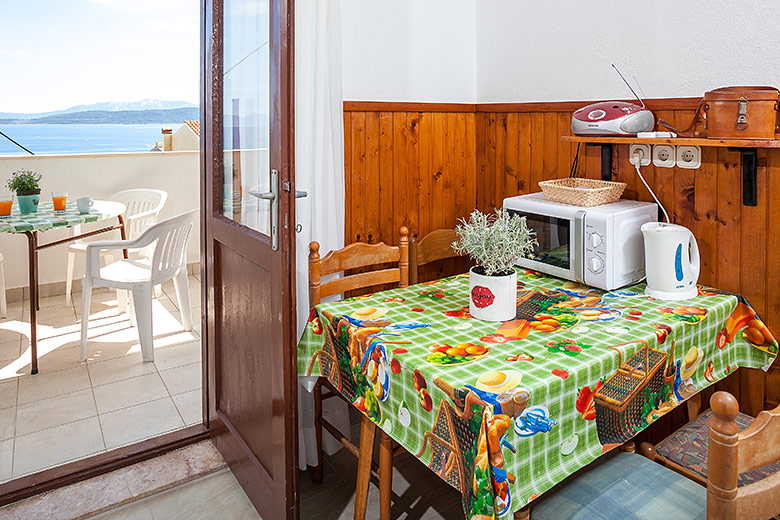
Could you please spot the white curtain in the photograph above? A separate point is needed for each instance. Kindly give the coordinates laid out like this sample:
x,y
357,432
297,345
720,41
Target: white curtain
x,y
319,170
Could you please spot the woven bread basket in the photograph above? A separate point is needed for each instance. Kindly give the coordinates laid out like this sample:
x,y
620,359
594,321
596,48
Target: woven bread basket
x,y
582,192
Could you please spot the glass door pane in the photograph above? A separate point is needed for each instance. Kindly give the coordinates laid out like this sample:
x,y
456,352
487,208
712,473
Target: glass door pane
x,y
246,82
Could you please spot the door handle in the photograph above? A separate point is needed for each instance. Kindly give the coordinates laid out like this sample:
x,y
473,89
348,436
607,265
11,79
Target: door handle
x,y
273,196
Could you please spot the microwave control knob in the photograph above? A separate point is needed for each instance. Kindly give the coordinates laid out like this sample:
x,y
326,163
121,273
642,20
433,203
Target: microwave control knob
x,y
596,264
596,240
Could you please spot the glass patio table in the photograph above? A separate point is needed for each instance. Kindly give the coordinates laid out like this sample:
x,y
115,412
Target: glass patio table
x,y
504,411
30,224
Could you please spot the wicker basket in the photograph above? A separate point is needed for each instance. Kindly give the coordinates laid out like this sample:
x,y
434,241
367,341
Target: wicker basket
x,y
582,192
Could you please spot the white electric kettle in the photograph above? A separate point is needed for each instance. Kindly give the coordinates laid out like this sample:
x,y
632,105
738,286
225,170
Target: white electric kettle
x,y
671,261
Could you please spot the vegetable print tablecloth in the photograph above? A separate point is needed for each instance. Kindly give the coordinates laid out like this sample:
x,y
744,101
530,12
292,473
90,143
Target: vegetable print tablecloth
x,y
504,411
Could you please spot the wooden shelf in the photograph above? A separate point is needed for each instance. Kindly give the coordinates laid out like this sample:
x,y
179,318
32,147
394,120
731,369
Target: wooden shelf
x,y
689,141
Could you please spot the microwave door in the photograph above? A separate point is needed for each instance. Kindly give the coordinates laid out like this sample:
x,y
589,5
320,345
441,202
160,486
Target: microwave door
x,y
556,251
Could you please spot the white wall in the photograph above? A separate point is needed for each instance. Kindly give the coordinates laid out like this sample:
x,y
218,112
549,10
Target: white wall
x,y
99,176
562,50
409,50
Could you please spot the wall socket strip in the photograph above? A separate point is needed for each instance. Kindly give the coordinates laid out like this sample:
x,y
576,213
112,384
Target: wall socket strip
x,y
666,156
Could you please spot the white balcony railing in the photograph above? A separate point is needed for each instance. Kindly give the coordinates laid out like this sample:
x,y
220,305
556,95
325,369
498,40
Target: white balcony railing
x,y
98,176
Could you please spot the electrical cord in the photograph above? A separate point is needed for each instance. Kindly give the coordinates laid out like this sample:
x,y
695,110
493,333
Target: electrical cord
x,y
575,163
636,165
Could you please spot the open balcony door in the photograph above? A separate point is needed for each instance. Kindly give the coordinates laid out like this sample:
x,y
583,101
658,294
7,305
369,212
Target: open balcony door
x,y
247,113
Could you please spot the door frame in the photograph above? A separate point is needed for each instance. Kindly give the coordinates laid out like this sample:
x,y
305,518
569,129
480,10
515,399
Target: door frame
x,y
282,153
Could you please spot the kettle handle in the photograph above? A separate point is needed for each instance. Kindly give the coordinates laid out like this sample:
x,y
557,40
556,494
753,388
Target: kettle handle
x,y
695,261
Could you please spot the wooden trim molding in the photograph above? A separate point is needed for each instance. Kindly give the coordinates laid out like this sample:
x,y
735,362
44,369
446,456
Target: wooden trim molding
x,y
689,103
395,106
25,487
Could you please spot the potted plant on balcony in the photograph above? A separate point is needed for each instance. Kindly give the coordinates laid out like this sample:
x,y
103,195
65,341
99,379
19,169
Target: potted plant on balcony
x,y
25,184
494,242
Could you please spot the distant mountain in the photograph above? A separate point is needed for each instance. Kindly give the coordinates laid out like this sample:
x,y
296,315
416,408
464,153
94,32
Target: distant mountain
x,y
112,106
124,117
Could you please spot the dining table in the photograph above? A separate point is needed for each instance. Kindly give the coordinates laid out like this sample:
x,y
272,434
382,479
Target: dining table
x,y
505,411
45,219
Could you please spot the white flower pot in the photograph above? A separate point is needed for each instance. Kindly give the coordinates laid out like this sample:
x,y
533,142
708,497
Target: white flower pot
x,y
492,298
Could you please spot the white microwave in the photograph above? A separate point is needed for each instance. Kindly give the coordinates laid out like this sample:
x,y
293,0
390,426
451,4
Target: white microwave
x,y
601,246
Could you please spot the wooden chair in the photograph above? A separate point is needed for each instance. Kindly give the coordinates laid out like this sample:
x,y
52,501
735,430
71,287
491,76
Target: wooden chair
x,y
685,450
435,246
358,255
624,485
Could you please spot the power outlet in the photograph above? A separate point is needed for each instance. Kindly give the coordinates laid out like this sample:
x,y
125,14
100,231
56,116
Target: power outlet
x,y
689,157
664,156
640,152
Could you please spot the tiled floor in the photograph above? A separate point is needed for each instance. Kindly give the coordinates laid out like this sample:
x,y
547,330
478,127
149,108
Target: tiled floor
x,y
418,493
215,496
72,410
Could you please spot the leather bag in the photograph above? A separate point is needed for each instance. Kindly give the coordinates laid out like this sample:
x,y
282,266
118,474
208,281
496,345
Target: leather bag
x,y
734,113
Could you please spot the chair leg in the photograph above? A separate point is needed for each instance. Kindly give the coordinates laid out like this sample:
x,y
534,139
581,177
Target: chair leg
x,y
121,301
3,302
367,432
133,321
86,297
142,305
158,291
182,287
69,279
318,470
385,475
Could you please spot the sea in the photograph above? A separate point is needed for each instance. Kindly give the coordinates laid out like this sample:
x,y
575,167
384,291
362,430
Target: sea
x,y
81,138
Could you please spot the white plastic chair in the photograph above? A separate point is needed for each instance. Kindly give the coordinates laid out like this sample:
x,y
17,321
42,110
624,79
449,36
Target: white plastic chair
x,y
143,208
168,260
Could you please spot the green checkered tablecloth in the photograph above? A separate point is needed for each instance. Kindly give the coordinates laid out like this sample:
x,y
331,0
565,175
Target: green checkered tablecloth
x,y
45,218
504,411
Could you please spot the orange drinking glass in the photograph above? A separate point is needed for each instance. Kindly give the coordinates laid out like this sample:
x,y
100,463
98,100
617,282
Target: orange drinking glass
x,y
59,198
6,203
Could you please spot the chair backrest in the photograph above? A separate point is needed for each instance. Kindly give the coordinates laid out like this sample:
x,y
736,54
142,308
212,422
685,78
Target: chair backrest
x,y
170,244
436,245
140,200
356,256
731,452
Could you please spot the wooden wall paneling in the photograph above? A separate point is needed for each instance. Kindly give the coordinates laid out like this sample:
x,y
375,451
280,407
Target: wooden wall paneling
x,y
413,172
387,231
490,164
772,273
592,157
565,156
706,214
471,165
373,179
499,188
729,220
348,177
400,177
550,142
425,175
450,168
358,174
438,208
537,152
523,154
511,162
461,169
753,270
480,139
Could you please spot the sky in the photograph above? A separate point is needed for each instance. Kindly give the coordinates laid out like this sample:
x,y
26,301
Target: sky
x,y
55,54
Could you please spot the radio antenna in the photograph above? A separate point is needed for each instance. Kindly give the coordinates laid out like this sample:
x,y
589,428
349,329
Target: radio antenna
x,y
628,85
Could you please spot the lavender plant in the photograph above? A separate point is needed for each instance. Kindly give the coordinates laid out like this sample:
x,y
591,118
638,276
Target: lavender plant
x,y
494,241
24,182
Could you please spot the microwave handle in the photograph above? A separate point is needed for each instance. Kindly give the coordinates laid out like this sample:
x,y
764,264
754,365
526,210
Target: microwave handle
x,y
579,246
